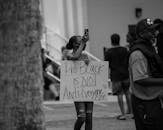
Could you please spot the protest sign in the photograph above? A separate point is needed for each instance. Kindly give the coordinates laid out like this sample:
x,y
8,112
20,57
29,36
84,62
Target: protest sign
x,y
82,82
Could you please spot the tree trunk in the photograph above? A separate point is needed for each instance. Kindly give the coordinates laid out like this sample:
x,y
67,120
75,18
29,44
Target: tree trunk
x,y
20,66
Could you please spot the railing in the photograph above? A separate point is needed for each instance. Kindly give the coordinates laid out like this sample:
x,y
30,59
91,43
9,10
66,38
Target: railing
x,y
52,59
51,77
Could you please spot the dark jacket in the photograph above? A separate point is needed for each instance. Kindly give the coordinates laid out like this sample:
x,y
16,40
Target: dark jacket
x,y
154,60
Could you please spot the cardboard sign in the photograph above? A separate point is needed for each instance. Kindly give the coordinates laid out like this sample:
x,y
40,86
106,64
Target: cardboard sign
x,y
81,82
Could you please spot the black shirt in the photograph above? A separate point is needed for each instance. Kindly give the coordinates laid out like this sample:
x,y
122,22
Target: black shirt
x,y
118,63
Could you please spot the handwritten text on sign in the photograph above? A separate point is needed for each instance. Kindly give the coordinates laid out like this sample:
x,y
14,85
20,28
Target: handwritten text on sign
x,y
81,82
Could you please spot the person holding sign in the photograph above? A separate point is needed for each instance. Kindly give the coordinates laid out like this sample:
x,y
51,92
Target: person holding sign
x,y
83,109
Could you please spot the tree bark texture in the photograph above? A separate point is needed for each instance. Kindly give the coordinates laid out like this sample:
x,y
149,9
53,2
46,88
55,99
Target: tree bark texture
x,y
21,79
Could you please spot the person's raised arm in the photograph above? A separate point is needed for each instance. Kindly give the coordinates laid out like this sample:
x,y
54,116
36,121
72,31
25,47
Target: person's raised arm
x,y
76,55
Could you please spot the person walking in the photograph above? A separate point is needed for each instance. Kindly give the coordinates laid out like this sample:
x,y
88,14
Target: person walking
x,y
146,77
50,85
84,109
117,57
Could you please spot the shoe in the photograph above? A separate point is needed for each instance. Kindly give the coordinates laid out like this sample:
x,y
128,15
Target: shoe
x,y
121,117
131,116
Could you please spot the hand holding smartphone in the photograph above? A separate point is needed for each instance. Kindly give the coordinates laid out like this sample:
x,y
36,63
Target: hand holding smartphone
x,y
86,35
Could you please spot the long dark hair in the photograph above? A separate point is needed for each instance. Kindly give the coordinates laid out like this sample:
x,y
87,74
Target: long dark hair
x,y
72,40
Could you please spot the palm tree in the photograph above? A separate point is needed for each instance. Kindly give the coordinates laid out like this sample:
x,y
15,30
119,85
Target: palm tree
x,y
20,66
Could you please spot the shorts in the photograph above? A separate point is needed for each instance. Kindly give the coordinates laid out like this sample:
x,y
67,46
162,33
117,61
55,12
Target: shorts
x,y
120,87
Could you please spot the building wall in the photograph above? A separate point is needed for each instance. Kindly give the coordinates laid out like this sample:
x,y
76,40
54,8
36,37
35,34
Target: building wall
x,y
113,16
65,17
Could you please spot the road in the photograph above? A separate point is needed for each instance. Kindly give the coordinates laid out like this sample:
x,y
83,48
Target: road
x,y
61,116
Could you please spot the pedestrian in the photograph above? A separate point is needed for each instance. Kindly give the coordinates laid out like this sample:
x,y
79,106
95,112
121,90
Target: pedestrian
x,y
84,109
159,38
146,77
117,57
49,84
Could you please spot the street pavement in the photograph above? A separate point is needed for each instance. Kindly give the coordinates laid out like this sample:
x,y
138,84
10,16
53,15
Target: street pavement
x,y
62,115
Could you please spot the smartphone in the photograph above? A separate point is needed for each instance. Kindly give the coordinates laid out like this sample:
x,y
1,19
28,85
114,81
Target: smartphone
x,y
86,32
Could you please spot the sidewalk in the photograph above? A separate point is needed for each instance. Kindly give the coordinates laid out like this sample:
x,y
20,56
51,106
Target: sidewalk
x,y
61,116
